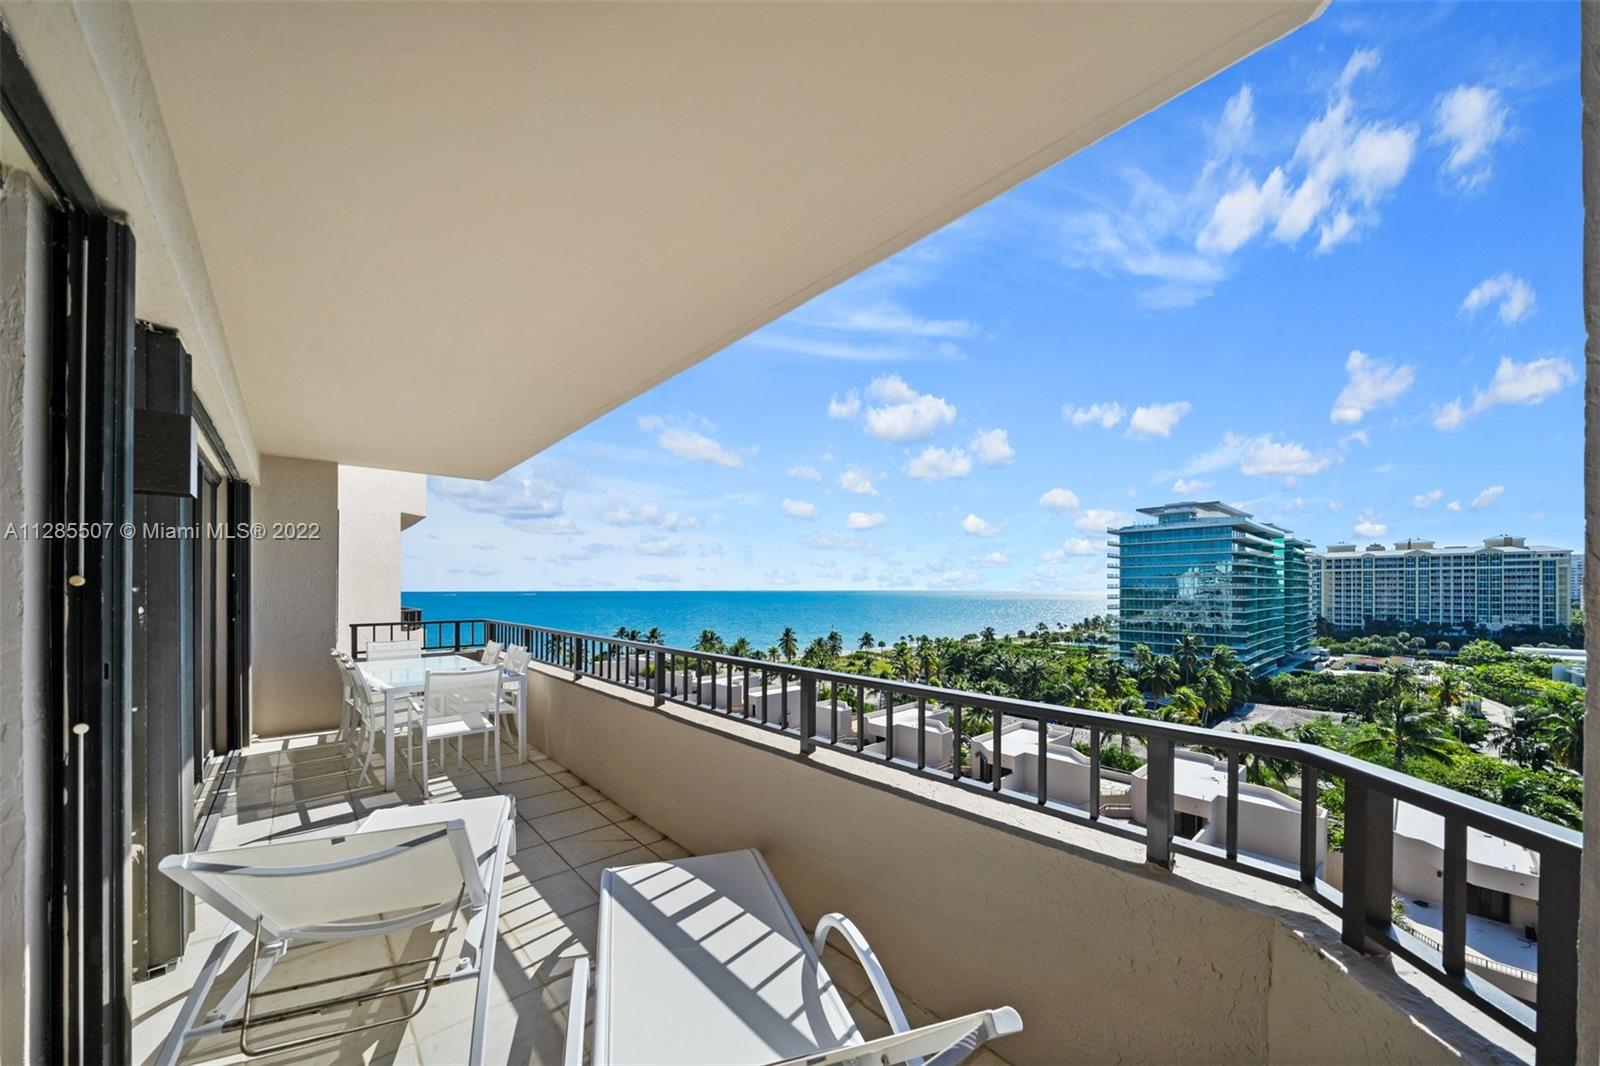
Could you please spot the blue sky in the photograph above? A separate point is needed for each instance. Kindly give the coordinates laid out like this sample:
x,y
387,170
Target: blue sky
x,y
1337,285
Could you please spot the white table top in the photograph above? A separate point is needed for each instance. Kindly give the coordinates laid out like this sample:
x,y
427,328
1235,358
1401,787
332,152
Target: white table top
x,y
412,674
702,961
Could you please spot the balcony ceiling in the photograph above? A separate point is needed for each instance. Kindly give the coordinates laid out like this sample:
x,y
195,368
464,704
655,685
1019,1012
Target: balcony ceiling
x,y
443,236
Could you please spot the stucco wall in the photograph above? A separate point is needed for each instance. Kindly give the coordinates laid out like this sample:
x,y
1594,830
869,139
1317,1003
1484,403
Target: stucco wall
x,y
374,506
24,462
295,599
971,903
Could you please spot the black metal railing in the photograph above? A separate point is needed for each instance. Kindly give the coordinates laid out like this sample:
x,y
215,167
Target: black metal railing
x,y
821,708
438,638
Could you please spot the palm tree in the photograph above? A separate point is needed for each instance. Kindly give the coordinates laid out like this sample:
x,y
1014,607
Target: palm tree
x,y
928,661
1398,681
1215,693
835,643
1448,692
866,642
1562,732
1187,655
788,643
1142,658
1164,676
902,663
1186,706
654,636
772,654
741,648
1407,730
709,641
1223,659
1263,769
1523,741
987,634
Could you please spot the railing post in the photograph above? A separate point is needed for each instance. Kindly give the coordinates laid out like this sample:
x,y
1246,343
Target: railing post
x,y
577,658
659,658
1232,836
808,714
457,625
1453,930
1159,801
1368,866
1558,958
1308,825
352,640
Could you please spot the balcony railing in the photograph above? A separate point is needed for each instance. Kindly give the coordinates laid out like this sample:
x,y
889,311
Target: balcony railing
x,y
782,698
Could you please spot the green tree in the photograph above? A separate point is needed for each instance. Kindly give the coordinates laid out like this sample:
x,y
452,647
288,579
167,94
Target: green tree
x,y
1164,676
741,648
788,643
709,641
1448,692
654,636
1561,730
866,643
988,634
1264,769
1186,705
1187,655
1215,694
835,643
1405,729
902,662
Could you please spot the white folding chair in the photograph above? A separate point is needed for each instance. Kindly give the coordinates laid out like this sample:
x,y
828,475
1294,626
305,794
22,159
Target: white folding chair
x,y
702,960
491,652
402,868
454,705
394,649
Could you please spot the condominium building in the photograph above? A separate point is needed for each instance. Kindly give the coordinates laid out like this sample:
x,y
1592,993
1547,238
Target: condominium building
x,y
1505,582
1211,570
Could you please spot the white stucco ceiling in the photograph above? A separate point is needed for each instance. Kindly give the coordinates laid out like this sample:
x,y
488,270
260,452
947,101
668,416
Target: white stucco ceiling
x,y
441,237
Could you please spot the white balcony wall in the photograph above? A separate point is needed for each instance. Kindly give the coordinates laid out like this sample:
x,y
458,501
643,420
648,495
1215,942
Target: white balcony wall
x,y
24,625
972,903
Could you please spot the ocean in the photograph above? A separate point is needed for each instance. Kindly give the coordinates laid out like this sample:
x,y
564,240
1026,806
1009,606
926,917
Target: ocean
x,y
761,616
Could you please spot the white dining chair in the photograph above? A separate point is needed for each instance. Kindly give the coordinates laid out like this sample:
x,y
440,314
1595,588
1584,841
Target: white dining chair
x,y
454,705
394,649
491,652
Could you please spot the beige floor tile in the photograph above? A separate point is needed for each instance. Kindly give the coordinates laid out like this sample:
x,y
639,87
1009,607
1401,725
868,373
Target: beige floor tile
x,y
589,794
669,849
612,810
567,823
590,845
567,779
536,807
591,872
536,861
559,894
641,832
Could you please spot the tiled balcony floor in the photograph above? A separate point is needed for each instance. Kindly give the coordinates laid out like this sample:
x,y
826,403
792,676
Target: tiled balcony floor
x,y
567,833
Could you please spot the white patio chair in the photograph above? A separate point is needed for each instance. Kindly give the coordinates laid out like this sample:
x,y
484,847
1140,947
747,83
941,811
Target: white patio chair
x,y
402,868
515,662
394,649
702,960
454,705
491,652
363,707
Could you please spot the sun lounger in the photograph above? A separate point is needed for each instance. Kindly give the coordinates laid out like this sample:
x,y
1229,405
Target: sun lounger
x,y
702,960
402,868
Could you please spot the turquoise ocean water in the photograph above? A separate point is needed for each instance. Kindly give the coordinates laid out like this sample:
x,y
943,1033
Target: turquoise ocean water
x,y
761,616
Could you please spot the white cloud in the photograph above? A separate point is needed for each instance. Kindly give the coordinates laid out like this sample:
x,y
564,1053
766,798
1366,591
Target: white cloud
x,y
1469,120
1074,546
1187,485
805,473
1423,500
1357,437
648,514
857,480
848,407
660,547
1453,505
1372,383
937,464
799,508
1286,459
1368,525
1515,297
994,559
1059,500
977,527
694,446
903,414
1104,415
992,447
1241,213
1515,384
1157,419
1487,497
864,520
1099,519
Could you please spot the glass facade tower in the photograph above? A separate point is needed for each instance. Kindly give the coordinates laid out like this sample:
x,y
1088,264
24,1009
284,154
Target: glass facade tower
x,y
1213,571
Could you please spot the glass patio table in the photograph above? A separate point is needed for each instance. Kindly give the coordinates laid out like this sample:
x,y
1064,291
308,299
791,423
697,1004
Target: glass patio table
x,y
399,678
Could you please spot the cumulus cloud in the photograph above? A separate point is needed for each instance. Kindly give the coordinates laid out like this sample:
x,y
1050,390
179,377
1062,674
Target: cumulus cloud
x,y
977,527
648,514
937,464
848,407
857,480
1371,383
660,547
1487,497
805,473
1074,546
900,413
1186,485
1104,415
1453,505
1099,519
1256,456
1059,500
1369,525
994,559
1513,384
992,447
1157,419
1469,121
1423,500
865,520
799,508
1515,297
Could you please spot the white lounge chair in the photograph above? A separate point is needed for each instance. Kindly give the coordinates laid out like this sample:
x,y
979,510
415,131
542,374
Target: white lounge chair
x,y
402,867
394,649
702,960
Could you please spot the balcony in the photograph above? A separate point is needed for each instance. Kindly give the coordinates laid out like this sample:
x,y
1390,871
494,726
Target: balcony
x,y
1039,885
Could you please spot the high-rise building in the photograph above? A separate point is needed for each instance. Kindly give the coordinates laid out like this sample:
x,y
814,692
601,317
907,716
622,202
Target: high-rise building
x,y
1211,570
1505,582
